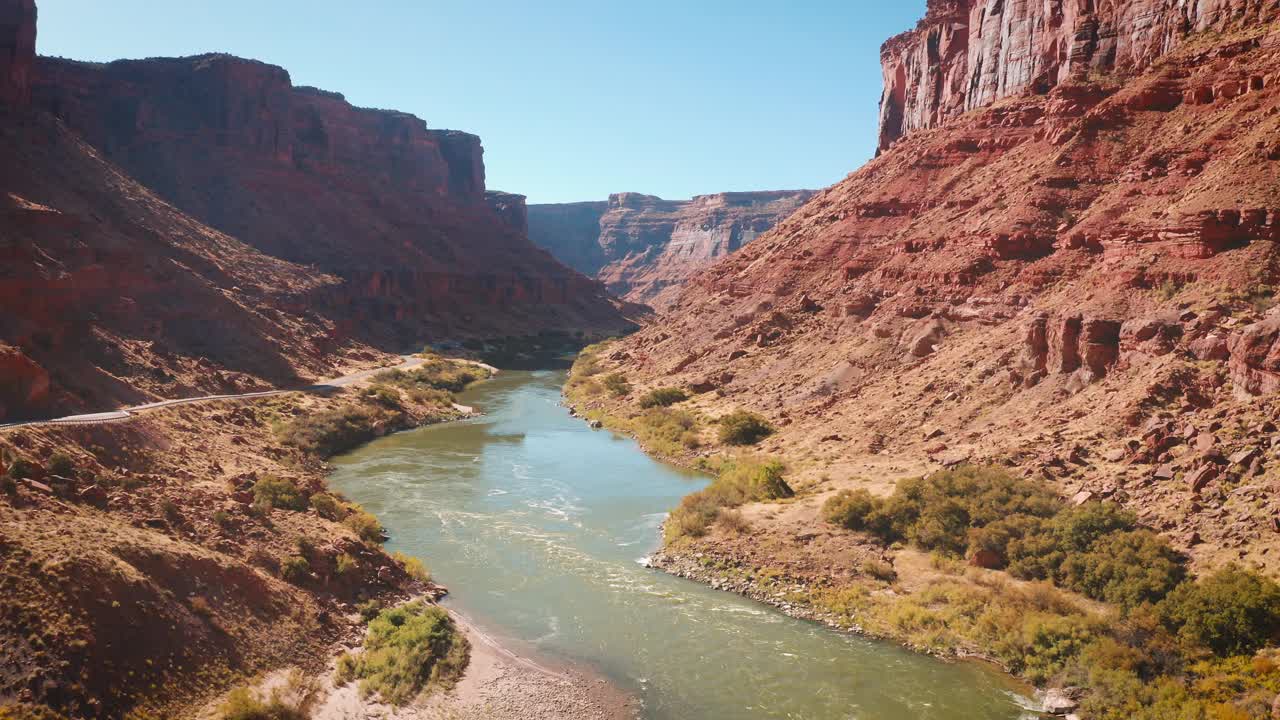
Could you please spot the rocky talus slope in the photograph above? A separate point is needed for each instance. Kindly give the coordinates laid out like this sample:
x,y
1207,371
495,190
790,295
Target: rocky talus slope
x,y
644,248
1076,278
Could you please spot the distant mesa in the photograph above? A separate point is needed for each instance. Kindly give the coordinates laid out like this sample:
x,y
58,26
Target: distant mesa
x,y
644,248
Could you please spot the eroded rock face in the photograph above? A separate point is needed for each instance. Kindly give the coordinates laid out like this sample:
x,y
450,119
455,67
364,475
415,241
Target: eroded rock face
x,y
967,54
396,209
644,247
17,50
1255,357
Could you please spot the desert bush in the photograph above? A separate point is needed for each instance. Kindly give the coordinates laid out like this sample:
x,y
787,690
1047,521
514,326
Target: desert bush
x,y
1232,611
20,469
365,526
295,569
743,428
413,566
408,649
1095,549
327,506
329,432
345,564
61,464
849,508
880,570
222,519
369,609
666,431
385,396
733,521
663,397
1126,568
741,481
23,711
436,374
293,701
278,493
616,384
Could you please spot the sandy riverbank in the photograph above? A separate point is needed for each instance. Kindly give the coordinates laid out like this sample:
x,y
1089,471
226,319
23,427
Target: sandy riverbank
x,y
499,684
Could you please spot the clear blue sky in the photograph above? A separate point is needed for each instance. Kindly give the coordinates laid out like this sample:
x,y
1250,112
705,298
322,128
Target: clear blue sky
x,y
573,99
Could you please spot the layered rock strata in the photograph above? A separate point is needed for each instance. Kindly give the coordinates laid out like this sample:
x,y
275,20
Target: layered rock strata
x,y
644,248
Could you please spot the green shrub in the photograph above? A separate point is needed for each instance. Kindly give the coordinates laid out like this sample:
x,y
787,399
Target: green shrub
x,y
221,519
345,564
61,464
740,482
743,428
369,609
413,567
1125,568
408,649
293,701
666,431
849,508
663,397
365,526
329,432
1080,527
385,396
1095,549
295,569
327,506
24,711
20,469
880,570
278,493
616,384
436,374
1231,612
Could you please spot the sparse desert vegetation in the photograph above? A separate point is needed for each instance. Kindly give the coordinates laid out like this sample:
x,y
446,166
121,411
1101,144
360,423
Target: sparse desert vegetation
x,y
408,650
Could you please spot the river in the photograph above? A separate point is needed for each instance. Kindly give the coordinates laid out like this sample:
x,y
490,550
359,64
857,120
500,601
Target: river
x,y
539,524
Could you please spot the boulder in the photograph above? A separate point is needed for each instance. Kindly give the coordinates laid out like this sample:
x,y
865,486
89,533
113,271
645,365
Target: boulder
x,y
922,337
1060,701
1255,357
986,559
1200,477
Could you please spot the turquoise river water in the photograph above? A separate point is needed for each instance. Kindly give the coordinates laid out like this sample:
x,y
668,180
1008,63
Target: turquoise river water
x,y
539,524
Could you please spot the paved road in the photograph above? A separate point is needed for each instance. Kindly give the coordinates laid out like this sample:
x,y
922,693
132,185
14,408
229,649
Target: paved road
x,y
407,362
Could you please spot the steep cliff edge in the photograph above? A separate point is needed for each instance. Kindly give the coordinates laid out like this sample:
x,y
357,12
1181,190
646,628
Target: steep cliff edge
x,y
17,50
968,54
396,210
1080,284
644,248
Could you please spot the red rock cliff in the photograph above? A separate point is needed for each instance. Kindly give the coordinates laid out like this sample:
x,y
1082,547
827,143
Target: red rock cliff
x,y
1075,283
644,248
967,54
374,196
17,50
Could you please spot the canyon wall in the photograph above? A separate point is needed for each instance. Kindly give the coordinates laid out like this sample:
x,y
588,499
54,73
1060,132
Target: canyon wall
x,y
1080,281
967,54
17,50
180,226
396,209
644,248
